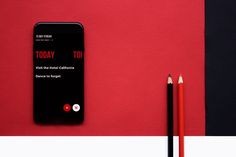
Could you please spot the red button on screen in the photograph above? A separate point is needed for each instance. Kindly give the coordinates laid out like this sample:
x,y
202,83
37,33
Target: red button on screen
x,y
67,107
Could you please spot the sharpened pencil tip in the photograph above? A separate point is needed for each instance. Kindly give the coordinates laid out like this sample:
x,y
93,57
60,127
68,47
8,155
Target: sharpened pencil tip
x,y
169,80
180,79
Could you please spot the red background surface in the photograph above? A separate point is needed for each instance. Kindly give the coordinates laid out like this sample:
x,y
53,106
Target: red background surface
x,y
130,48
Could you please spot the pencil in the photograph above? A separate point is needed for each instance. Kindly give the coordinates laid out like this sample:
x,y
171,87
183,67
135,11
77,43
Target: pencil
x,y
170,115
181,115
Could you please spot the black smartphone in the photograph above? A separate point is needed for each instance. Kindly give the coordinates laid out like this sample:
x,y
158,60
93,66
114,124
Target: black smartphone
x,y
58,73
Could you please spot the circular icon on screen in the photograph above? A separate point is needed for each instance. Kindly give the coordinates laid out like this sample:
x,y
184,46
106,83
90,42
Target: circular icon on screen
x,y
76,107
67,107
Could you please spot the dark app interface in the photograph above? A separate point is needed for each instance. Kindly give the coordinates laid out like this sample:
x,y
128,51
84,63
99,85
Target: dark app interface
x,y
58,73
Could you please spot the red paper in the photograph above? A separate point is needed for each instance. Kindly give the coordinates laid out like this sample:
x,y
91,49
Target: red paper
x,y
130,48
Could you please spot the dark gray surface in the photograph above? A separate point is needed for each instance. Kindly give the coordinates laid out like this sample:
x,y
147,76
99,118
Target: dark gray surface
x,y
220,67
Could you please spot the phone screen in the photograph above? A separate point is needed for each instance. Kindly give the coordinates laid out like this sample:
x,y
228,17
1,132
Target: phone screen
x,y
58,69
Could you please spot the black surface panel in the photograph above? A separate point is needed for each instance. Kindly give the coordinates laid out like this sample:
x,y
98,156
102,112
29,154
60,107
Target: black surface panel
x,y
220,46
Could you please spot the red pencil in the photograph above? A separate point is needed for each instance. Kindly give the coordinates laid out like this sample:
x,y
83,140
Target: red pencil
x,y
181,115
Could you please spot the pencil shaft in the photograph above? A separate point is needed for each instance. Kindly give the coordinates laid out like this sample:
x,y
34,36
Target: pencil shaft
x,y
181,119
170,119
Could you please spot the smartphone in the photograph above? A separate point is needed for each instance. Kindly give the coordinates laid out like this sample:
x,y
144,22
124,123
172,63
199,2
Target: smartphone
x,y
58,73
